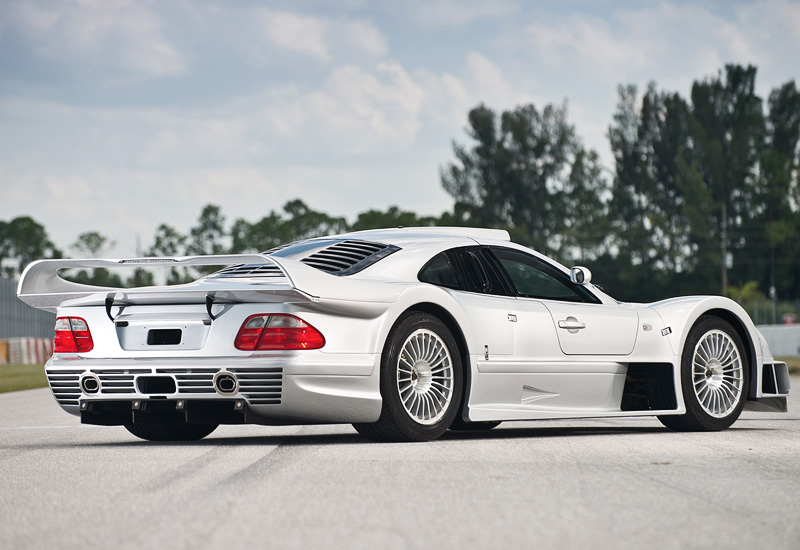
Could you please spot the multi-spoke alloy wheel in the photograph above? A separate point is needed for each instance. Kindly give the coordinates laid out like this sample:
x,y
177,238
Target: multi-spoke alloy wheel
x,y
717,373
714,377
425,377
421,381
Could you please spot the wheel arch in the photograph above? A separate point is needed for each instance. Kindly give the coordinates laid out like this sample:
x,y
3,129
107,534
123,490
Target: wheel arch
x,y
744,334
452,325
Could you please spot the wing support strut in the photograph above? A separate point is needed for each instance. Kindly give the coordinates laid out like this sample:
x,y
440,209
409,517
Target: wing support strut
x,y
209,304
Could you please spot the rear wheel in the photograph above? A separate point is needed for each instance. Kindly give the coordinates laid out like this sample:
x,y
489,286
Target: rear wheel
x,y
421,381
177,432
713,378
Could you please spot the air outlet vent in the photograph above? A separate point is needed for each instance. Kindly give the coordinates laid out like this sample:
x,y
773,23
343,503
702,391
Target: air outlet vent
x,y
348,257
250,270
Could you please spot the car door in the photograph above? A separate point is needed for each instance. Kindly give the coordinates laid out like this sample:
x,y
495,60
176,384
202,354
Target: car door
x,y
582,324
482,295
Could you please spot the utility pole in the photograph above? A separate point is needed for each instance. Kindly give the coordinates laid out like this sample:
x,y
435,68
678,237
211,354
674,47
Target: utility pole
x,y
724,246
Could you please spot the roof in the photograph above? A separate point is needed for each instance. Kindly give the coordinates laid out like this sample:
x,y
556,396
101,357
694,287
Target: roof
x,y
431,232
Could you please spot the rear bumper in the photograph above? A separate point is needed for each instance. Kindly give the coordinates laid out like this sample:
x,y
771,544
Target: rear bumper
x,y
282,389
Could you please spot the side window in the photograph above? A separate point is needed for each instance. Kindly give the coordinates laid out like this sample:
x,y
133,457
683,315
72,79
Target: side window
x,y
469,268
534,278
478,272
439,272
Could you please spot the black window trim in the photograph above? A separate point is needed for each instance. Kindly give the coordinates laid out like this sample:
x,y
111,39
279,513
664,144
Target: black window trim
x,y
549,269
486,268
459,279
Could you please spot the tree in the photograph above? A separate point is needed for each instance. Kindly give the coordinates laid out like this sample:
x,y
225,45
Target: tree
x,y
299,222
648,217
727,131
392,217
777,190
170,243
94,245
22,241
587,227
305,223
515,174
207,236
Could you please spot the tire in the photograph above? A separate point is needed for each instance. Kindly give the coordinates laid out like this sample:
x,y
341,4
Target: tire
x,y
421,381
714,378
164,432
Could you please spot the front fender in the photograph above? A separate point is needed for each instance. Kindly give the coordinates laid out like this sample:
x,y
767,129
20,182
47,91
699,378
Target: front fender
x,y
680,315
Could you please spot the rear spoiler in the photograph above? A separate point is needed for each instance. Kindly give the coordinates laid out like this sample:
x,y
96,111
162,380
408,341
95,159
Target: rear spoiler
x,y
41,287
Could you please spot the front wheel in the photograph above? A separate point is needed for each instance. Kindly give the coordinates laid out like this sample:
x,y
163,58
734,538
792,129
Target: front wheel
x,y
171,432
713,378
421,381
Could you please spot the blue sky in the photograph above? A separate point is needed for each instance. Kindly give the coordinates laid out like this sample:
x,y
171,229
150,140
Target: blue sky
x,y
119,115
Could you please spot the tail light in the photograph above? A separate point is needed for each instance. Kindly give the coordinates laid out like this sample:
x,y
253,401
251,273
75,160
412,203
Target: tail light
x,y
277,332
72,336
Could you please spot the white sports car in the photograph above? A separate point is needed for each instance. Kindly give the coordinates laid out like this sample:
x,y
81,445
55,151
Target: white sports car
x,y
404,333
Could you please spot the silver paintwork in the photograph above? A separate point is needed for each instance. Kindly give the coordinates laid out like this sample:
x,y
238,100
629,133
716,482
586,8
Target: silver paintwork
x,y
574,355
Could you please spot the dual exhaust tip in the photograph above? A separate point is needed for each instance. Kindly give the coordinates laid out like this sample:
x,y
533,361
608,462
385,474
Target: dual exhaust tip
x,y
225,383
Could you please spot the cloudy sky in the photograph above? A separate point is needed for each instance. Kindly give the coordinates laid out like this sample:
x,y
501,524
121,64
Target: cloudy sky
x,y
119,115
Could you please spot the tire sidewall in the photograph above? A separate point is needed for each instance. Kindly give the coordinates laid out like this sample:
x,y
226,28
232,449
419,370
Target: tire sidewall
x,y
392,404
693,407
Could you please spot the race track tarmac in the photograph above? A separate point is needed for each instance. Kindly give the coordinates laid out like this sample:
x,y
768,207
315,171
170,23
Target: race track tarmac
x,y
588,484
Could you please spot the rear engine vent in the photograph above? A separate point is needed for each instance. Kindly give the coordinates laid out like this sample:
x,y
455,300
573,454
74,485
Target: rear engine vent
x,y
250,270
348,257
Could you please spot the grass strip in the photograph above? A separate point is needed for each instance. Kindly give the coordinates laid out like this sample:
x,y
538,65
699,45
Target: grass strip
x,y
21,377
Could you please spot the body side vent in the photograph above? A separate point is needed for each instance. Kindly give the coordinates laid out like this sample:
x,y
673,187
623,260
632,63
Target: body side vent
x,y
250,270
348,257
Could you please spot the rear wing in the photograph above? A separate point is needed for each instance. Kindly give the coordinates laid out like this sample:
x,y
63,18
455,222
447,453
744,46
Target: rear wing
x,y
40,285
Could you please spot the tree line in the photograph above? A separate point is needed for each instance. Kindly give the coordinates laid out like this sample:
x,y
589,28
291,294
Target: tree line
x,y
704,196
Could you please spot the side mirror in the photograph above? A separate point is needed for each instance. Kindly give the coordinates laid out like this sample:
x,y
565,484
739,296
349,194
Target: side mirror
x,y
580,275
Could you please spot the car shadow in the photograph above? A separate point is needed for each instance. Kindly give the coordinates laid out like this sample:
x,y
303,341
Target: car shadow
x,y
499,433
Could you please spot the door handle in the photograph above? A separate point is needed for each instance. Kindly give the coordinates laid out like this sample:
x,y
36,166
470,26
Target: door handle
x,y
571,324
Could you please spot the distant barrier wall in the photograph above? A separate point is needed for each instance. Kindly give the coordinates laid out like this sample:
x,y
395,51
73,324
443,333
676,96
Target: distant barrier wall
x,y
783,340
19,320
25,351
26,334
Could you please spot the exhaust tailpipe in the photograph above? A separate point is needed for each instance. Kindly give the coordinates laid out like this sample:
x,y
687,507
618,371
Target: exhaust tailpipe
x,y
90,384
225,383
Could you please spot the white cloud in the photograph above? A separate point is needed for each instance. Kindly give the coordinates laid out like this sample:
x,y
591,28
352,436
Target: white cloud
x,y
111,33
347,107
322,38
362,37
457,13
588,42
295,32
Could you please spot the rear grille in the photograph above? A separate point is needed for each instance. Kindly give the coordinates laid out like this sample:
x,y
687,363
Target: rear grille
x,y
260,385
249,270
65,385
348,257
117,381
192,380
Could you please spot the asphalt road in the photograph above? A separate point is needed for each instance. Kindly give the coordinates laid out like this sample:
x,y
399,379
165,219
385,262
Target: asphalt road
x,y
624,483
